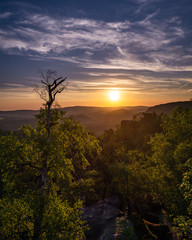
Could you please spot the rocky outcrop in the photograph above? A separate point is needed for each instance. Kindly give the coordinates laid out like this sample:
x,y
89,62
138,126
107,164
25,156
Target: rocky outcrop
x,y
105,218
107,221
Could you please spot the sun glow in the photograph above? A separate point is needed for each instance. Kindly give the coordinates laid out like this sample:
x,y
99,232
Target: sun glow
x,y
114,95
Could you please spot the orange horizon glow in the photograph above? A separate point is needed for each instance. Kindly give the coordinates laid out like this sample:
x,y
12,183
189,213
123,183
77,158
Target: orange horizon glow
x,y
101,99
29,100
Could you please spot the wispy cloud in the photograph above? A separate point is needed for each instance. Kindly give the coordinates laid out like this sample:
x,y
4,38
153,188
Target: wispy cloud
x,y
5,15
86,41
15,90
143,48
137,81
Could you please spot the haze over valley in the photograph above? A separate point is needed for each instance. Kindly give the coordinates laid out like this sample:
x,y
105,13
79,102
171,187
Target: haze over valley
x,y
95,119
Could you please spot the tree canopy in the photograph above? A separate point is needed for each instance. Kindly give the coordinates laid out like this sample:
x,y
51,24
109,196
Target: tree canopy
x,y
45,174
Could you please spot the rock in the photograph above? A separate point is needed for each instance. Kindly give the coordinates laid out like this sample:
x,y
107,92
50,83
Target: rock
x,y
104,219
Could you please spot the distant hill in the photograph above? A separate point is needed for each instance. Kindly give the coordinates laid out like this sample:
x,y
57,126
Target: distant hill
x,y
12,120
168,107
96,119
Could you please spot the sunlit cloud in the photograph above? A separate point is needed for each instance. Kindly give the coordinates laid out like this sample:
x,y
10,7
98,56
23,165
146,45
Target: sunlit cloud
x,y
15,90
141,55
16,85
136,45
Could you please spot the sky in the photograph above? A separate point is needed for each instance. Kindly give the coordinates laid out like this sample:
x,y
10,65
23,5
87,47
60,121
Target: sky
x,y
140,48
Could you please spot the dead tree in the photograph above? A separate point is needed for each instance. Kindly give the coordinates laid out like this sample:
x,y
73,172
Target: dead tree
x,y
51,86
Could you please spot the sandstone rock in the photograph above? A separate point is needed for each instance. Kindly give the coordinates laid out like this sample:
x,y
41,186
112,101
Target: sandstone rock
x,y
104,219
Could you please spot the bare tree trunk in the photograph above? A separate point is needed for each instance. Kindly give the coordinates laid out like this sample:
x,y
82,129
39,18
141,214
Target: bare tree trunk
x,y
51,89
43,176
38,217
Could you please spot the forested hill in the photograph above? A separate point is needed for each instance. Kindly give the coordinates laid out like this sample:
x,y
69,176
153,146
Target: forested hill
x,y
168,107
134,180
96,119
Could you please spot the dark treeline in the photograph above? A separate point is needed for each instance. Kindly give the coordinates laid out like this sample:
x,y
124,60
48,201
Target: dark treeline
x,y
146,161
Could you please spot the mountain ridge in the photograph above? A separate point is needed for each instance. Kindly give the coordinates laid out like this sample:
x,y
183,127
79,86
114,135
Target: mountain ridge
x,y
166,108
95,119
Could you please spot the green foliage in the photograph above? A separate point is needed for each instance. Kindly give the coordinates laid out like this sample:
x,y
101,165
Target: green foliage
x,y
171,149
135,134
62,221
132,182
69,155
16,219
183,227
183,223
127,144
177,126
149,175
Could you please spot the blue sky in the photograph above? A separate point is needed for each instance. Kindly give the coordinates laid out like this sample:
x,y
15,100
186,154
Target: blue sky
x,y
142,48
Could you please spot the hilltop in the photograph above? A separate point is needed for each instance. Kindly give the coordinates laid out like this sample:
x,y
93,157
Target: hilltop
x,y
96,119
168,107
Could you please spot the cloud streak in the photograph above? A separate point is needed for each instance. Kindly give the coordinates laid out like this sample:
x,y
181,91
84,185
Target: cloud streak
x,y
5,15
145,54
132,45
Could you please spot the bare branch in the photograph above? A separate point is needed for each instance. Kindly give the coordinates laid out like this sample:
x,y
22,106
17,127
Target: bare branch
x,y
52,85
27,164
41,93
21,164
58,91
44,82
55,81
57,84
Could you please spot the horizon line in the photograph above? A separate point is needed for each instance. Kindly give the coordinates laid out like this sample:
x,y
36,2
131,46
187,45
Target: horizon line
x,y
73,106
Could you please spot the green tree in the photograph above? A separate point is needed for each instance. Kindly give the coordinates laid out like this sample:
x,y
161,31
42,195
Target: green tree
x,y
131,180
171,149
183,223
126,145
40,169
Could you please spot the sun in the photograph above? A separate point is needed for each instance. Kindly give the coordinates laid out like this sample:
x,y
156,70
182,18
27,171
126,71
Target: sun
x,y
114,95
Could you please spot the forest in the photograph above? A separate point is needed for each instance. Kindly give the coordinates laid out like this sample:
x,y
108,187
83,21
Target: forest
x,y
51,171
